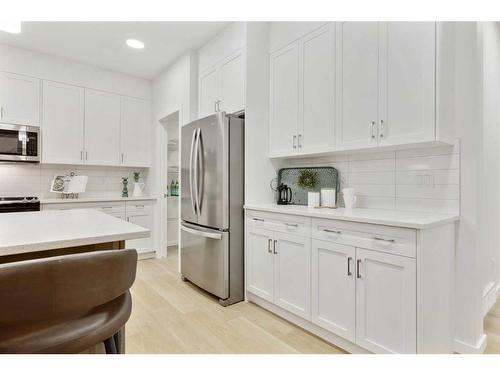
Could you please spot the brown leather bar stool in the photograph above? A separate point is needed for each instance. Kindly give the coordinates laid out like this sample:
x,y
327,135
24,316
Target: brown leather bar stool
x,y
65,304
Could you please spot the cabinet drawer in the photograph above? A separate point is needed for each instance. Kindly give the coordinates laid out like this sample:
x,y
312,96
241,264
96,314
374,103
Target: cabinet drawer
x,y
298,225
139,206
393,240
108,207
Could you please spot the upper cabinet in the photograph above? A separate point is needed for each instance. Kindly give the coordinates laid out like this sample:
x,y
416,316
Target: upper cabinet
x,y
302,77
62,125
135,138
356,85
19,99
102,128
222,87
84,126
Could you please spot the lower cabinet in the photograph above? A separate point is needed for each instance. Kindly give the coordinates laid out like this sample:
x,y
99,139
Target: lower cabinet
x,y
279,269
366,296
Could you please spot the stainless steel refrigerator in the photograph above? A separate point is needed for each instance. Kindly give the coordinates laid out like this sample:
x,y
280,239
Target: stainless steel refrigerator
x,y
212,176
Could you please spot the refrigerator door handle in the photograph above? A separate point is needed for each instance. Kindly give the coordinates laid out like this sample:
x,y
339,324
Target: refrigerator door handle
x,y
196,171
201,167
192,171
214,236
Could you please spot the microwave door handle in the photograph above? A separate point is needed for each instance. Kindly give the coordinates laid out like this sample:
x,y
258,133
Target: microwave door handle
x,y
191,171
201,166
23,135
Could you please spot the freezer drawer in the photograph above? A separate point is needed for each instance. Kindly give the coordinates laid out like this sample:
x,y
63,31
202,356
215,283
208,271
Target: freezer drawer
x,y
205,258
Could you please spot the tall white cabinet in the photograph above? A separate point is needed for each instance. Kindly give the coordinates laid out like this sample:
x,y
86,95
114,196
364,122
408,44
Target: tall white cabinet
x,y
19,99
134,138
302,77
62,123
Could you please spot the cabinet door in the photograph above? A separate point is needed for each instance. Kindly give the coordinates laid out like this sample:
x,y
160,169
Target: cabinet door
x,y
385,302
19,99
232,83
284,115
102,128
63,110
260,260
208,89
292,273
357,87
407,78
334,288
144,220
135,142
317,61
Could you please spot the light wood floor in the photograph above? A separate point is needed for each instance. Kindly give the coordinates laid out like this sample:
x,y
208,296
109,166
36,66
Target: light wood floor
x,y
171,316
492,329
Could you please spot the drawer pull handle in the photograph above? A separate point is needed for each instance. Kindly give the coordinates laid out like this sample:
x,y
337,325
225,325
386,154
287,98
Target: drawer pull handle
x,y
358,264
332,231
257,219
384,239
291,225
269,244
274,247
107,208
139,205
349,273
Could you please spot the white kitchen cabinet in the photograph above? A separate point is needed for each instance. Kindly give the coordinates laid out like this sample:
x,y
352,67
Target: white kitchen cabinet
x,y
208,92
140,213
334,288
102,128
19,99
386,85
407,82
260,258
292,273
62,123
385,302
222,87
284,106
302,94
357,94
134,134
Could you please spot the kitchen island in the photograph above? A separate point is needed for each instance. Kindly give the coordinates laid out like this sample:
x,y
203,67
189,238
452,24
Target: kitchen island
x,y
41,234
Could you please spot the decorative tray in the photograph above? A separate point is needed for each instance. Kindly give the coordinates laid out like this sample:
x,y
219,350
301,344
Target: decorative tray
x,y
328,177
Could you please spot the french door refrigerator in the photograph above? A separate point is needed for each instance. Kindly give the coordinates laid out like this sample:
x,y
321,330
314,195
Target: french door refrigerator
x,y
212,175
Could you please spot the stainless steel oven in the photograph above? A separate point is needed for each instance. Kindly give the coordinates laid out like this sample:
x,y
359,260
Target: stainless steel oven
x,y
19,143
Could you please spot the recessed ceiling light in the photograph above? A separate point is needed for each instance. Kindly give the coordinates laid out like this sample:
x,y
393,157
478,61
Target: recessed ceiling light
x,y
134,43
13,27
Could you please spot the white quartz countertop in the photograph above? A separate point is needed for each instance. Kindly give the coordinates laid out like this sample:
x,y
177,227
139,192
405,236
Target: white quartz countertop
x,y
23,232
95,199
396,218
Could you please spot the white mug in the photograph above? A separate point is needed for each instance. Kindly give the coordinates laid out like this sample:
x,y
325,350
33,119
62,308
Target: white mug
x,y
313,199
327,197
349,198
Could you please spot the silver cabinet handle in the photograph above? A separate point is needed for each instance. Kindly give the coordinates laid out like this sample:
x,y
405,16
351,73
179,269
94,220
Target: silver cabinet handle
x,y
300,141
122,157
86,155
349,259
269,243
294,141
1,112
332,231
291,225
215,106
257,219
106,208
384,239
81,155
358,266
382,128
274,246
373,130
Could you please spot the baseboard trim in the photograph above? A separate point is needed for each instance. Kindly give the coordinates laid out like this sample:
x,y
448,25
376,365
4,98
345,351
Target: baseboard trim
x,y
490,296
465,348
322,333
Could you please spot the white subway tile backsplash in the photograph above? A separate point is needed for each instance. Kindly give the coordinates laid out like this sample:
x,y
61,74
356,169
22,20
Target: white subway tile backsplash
x,y
425,179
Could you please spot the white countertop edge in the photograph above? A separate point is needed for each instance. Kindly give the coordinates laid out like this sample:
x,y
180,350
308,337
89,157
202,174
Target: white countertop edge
x,y
59,244
96,199
426,220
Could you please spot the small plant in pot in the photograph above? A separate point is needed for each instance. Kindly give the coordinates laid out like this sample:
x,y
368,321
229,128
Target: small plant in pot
x,y
307,180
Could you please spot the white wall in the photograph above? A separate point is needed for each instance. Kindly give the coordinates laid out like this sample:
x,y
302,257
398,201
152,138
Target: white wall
x,y
490,187
35,64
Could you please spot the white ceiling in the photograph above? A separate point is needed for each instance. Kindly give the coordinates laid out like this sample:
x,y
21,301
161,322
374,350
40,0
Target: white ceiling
x,y
103,43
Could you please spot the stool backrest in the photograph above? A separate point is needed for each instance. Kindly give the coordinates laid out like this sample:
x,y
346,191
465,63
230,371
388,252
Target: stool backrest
x,y
63,286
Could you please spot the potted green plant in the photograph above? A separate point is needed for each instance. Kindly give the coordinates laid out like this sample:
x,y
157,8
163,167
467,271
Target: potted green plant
x,y
307,180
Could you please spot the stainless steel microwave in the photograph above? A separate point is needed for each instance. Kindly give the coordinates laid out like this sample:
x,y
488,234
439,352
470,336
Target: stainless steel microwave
x,y
19,143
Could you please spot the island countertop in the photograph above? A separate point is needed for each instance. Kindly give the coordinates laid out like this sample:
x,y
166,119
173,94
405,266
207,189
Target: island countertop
x,y
396,218
23,232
